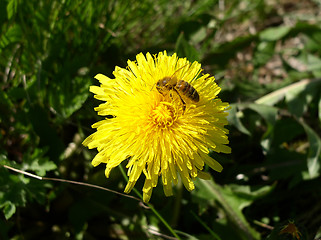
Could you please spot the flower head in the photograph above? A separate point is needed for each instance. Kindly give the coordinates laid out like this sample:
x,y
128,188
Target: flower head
x,y
160,125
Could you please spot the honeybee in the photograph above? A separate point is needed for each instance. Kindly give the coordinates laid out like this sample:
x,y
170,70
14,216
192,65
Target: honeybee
x,y
181,87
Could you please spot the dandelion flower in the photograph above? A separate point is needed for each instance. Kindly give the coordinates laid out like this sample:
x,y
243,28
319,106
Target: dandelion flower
x,y
160,132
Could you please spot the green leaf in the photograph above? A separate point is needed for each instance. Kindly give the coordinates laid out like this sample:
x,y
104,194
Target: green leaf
x,y
264,52
299,97
284,164
8,209
291,92
70,95
199,35
16,189
312,62
286,130
233,199
221,54
267,112
12,8
184,49
74,101
38,163
314,155
11,194
234,119
6,107
313,41
274,33
13,34
319,109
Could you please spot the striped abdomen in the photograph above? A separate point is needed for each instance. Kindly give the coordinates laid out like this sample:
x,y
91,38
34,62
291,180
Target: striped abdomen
x,y
187,90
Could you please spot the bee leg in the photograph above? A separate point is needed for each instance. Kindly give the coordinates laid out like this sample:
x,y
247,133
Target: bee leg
x,y
184,104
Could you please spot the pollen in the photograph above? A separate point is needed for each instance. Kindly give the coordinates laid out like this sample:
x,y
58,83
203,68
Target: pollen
x,y
164,115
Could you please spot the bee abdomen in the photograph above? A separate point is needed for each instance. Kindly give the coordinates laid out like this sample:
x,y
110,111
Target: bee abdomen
x,y
188,90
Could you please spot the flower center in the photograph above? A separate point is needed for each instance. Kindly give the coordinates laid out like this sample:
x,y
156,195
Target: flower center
x,y
164,115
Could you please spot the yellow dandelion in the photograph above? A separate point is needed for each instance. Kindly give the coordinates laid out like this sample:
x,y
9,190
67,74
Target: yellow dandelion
x,y
160,125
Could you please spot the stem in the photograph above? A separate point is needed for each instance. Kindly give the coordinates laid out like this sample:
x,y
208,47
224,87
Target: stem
x,y
214,235
177,203
150,206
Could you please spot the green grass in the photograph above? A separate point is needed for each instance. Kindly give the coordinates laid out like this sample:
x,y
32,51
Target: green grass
x,y
264,54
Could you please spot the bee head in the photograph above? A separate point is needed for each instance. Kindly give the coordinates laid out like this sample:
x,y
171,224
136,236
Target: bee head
x,y
165,82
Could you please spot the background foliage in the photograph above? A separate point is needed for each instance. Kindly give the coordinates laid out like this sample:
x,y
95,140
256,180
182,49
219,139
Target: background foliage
x,y
264,54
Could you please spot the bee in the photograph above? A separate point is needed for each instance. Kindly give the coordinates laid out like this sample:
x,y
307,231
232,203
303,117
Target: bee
x,y
181,87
